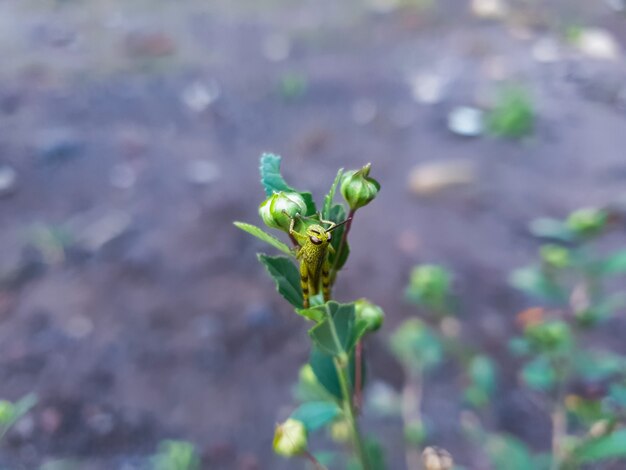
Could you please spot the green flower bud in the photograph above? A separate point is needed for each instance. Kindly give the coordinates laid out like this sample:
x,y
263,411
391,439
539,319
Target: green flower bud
x,y
6,411
555,256
369,314
278,209
290,438
358,189
586,222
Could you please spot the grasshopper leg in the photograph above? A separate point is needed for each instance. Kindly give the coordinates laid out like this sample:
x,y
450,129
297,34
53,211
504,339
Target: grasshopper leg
x,y
326,280
304,284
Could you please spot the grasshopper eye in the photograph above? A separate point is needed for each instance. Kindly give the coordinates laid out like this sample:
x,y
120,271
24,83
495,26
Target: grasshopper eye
x,y
315,240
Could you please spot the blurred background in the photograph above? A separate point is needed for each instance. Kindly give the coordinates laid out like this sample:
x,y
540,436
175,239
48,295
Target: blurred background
x,y
129,142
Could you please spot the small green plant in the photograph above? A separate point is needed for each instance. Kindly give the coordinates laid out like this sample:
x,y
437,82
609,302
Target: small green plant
x,y
176,455
582,386
513,115
10,412
331,384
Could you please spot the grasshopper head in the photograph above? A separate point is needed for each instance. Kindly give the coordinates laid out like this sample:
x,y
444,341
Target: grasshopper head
x,y
318,235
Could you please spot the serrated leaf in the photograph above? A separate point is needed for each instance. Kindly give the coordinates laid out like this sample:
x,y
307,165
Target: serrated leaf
x,y
271,179
316,414
266,237
286,276
416,345
328,199
607,447
322,334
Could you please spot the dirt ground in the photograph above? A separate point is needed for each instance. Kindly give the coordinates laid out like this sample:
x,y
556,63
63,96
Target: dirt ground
x,y
135,310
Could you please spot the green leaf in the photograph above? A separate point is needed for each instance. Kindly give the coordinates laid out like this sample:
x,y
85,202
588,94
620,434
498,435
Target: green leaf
x,y
534,282
607,447
482,372
539,374
316,313
316,414
614,264
416,346
553,229
311,210
338,215
266,237
323,366
328,200
271,179
273,182
596,366
286,276
322,334
507,452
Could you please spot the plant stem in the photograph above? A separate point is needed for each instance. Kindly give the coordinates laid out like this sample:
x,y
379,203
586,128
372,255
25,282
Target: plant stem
x,y
412,412
316,463
358,377
342,362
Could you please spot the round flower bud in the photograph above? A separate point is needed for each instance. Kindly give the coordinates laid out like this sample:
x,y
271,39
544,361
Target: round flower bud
x,y
358,189
436,458
278,209
290,438
369,314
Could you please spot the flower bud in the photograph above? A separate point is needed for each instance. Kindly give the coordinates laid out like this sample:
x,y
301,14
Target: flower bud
x,y
358,189
278,209
340,431
290,438
369,314
436,458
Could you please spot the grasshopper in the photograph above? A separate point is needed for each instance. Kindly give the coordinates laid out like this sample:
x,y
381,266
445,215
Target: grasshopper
x,y
313,250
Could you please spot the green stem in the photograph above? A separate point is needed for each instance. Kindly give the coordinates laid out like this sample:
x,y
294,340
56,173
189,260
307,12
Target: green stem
x,y
342,361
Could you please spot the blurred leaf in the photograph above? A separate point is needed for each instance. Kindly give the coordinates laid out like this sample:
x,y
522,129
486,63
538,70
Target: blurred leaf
x,y
596,366
507,452
266,237
513,115
607,447
286,276
539,374
176,455
429,286
554,229
554,336
328,200
326,458
519,346
617,392
376,457
416,346
614,264
587,411
316,414
482,372
323,366
322,334
534,282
